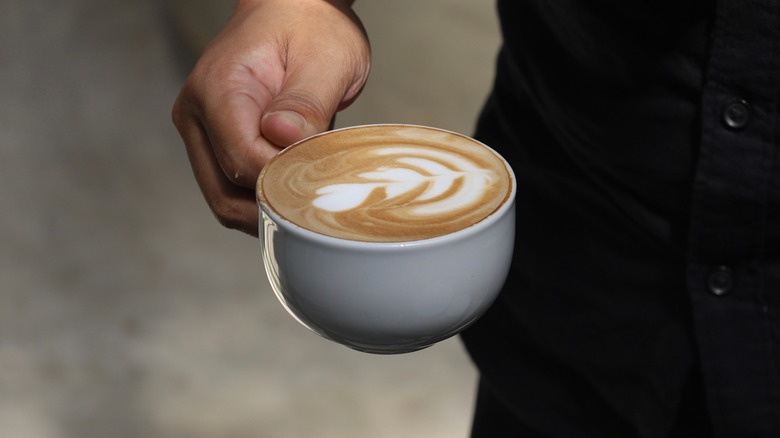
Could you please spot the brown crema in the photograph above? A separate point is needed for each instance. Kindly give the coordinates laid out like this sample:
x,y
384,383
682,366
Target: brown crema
x,y
385,183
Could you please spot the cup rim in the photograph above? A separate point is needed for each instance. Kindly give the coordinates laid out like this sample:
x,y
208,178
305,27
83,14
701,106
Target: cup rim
x,y
462,233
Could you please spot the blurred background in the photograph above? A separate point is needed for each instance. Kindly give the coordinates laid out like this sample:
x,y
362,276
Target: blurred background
x,y
125,310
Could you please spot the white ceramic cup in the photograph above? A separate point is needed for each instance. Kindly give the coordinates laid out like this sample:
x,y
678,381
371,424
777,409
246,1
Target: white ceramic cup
x,y
388,297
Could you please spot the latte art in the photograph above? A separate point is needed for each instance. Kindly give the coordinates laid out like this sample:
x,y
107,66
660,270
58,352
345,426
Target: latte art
x,y
415,171
387,184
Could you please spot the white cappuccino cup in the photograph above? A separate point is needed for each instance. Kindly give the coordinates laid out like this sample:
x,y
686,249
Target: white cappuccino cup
x,y
387,238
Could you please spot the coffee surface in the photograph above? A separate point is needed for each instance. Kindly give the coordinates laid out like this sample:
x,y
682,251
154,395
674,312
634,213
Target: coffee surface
x,y
385,183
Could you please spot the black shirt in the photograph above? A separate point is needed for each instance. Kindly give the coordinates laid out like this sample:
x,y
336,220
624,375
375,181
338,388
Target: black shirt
x,y
646,276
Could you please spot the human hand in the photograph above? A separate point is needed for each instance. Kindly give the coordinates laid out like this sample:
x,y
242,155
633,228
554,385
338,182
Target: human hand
x,y
277,73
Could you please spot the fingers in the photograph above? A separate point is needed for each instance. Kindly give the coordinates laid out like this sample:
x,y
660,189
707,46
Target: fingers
x,y
231,116
261,87
234,206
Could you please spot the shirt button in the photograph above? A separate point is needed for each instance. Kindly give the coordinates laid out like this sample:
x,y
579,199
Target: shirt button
x,y
720,281
736,114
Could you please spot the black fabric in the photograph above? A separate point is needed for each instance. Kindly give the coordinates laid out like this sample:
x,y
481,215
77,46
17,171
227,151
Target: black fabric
x,y
644,138
494,418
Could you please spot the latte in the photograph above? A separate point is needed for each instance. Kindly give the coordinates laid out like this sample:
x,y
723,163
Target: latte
x,y
385,183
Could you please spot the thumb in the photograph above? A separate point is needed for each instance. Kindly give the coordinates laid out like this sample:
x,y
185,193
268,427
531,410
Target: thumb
x,y
305,106
287,124
311,95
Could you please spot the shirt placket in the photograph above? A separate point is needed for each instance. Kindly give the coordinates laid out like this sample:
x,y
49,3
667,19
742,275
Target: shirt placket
x,y
727,243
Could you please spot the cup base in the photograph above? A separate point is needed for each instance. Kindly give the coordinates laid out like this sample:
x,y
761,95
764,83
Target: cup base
x,y
389,351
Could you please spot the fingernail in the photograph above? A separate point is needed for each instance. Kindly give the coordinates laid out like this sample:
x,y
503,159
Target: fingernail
x,y
290,117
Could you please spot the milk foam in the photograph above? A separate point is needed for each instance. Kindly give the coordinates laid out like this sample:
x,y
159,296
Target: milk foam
x,y
388,183
409,173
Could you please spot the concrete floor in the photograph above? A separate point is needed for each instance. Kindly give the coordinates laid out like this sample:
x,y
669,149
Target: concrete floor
x,y
125,310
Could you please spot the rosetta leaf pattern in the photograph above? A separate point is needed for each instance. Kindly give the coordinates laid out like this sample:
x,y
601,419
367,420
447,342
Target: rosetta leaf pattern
x,y
403,179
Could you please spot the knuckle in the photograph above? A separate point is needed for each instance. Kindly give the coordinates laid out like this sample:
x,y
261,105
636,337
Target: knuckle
x,y
226,213
237,169
177,115
186,108
179,110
